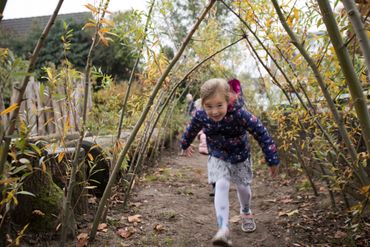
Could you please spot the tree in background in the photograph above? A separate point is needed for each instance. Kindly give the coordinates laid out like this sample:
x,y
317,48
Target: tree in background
x,y
115,59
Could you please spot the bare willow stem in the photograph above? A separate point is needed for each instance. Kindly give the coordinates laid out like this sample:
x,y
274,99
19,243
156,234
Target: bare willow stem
x,y
133,72
143,116
67,209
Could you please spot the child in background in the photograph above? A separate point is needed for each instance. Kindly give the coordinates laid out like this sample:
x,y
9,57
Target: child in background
x,y
190,108
202,148
225,125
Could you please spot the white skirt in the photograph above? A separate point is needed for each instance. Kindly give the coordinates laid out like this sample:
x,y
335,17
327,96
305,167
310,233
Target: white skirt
x,y
240,173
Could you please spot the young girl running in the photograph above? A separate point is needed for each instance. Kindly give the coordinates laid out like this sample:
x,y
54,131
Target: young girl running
x,y
226,124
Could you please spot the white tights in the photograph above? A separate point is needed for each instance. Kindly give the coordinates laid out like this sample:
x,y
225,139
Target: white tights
x,y
222,201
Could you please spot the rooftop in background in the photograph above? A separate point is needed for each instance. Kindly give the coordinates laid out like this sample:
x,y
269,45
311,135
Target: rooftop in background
x,y
20,27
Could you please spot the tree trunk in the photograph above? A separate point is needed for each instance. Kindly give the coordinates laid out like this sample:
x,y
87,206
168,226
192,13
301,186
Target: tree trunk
x,y
355,18
2,7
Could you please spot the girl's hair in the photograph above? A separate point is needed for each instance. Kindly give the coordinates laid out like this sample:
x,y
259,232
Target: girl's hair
x,y
213,86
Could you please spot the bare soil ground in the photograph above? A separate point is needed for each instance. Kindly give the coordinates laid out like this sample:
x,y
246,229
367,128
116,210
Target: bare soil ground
x,y
170,206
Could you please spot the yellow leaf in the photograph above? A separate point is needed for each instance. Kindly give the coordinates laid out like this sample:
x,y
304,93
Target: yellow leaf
x,y
67,124
365,190
89,24
15,200
103,39
107,22
43,167
104,30
91,7
268,23
290,21
9,109
60,156
90,156
296,13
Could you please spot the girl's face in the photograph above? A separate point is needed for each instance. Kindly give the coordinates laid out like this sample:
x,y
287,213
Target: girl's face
x,y
215,107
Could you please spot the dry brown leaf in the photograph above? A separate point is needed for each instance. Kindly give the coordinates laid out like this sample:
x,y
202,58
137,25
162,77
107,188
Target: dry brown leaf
x,y
287,200
340,234
235,219
38,212
125,233
159,228
270,200
92,200
291,213
134,218
82,239
103,227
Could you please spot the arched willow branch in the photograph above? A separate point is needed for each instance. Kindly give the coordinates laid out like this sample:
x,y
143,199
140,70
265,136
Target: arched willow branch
x,y
348,69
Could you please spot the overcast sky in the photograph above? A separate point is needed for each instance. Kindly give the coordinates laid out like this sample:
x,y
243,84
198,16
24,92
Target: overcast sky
x,y
28,8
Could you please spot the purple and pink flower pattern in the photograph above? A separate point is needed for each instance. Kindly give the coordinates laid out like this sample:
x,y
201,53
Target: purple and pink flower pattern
x,y
228,138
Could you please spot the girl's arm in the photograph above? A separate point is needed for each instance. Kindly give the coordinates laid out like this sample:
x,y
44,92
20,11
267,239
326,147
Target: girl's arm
x,y
264,139
191,132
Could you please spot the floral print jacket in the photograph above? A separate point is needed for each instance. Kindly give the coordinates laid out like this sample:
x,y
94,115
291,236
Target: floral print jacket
x,y
228,138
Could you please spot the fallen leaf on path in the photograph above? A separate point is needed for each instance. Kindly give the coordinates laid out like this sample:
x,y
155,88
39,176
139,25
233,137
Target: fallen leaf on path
x,y
159,228
103,227
293,212
125,233
271,200
92,200
235,219
340,234
134,218
287,200
82,239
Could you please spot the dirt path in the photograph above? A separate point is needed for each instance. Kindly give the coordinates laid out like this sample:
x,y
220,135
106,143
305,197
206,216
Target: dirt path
x,y
175,209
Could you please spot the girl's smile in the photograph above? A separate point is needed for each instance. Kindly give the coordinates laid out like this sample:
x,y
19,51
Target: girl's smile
x,y
215,107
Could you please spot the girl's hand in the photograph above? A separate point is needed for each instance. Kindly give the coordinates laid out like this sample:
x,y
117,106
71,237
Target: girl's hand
x,y
273,170
188,152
